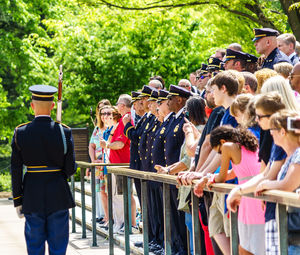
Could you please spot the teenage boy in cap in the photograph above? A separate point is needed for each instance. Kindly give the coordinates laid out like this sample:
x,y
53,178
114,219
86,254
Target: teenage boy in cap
x,y
46,148
265,43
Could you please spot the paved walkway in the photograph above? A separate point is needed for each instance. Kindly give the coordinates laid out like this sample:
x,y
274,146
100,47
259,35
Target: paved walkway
x,y
12,239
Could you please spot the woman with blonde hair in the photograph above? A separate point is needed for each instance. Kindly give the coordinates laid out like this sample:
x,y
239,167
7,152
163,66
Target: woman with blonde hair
x,y
262,75
282,86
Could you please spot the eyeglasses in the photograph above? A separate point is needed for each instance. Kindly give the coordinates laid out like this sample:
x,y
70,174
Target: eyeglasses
x,y
105,113
291,76
184,86
259,117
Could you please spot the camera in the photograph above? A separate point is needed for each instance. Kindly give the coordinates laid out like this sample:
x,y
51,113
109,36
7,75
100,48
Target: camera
x,y
293,123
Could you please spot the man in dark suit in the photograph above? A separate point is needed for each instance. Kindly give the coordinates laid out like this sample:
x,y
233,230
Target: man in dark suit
x,y
45,148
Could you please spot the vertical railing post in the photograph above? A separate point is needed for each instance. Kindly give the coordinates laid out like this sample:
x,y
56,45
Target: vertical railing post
x,y
196,224
110,214
234,245
145,216
82,173
73,209
93,187
167,218
126,214
282,229
129,181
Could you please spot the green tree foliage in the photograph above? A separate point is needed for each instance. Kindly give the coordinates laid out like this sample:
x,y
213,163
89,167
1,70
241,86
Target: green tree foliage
x,y
106,51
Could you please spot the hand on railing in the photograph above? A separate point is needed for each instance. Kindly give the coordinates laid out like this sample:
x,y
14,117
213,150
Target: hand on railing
x,y
186,178
260,188
161,169
199,187
234,199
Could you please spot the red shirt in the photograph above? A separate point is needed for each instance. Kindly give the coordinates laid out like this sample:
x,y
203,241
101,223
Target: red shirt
x,y
122,155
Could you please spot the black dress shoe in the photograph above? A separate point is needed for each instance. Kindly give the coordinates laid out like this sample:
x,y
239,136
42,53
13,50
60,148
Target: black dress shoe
x,y
138,244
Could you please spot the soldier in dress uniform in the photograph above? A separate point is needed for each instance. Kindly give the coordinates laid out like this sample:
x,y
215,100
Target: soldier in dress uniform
x,y
173,140
45,148
265,43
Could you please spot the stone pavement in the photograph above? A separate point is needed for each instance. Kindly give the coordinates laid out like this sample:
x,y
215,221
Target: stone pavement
x,y
12,239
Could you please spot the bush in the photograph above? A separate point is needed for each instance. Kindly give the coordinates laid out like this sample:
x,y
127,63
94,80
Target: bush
x,y
5,182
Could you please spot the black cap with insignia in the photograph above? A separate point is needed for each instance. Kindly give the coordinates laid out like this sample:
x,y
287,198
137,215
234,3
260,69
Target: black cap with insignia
x,y
42,92
213,64
178,91
264,32
154,95
162,95
146,91
135,96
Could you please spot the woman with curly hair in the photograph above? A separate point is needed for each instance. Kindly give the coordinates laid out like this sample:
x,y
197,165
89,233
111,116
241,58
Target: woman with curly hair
x,y
240,147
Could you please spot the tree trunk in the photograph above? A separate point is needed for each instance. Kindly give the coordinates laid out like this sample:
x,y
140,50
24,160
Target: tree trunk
x,y
293,16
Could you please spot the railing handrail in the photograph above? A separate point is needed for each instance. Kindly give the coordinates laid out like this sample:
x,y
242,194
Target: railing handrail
x,y
276,196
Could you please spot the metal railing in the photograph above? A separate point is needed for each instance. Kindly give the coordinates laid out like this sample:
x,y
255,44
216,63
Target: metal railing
x,y
282,198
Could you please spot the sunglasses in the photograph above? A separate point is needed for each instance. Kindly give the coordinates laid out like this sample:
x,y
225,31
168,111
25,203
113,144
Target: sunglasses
x,y
201,77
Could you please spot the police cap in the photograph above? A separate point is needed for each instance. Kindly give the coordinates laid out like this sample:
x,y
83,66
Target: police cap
x,y
264,32
178,91
154,95
146,91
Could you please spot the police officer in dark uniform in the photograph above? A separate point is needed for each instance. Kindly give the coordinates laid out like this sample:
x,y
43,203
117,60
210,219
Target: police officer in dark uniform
x,y
158,158
45,148
173,140
239,61
133,133
265,43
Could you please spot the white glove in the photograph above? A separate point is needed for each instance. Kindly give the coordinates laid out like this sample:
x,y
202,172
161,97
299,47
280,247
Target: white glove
x,y
19,211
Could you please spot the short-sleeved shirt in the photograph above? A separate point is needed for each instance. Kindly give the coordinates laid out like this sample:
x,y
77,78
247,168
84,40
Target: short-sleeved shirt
x,y
95,139
122,155
277,154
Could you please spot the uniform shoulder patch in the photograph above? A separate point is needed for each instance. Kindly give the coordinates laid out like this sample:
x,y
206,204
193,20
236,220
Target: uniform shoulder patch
x,y
23,124
64,125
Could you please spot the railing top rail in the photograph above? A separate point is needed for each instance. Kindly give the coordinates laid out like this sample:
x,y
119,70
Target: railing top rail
x,y
86,164
276,196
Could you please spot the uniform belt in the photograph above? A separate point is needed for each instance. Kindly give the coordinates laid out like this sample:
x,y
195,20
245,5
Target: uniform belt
x,y
42,169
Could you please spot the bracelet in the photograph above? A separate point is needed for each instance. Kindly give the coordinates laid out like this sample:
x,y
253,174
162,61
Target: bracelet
x,y
168,171
239,189
212,179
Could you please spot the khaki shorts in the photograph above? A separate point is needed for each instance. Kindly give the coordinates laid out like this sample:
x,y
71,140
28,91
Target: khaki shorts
x,y
218,222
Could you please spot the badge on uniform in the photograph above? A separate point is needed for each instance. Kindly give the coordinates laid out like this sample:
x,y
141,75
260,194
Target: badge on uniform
x,y
176,128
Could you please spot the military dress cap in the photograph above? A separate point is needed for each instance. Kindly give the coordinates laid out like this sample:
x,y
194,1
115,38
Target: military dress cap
x,y
146,91
42,92
213,64
264,32
178,91
154,95
135,96
162,95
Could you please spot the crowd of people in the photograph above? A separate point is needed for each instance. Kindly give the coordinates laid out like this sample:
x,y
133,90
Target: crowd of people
x,y
235,120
